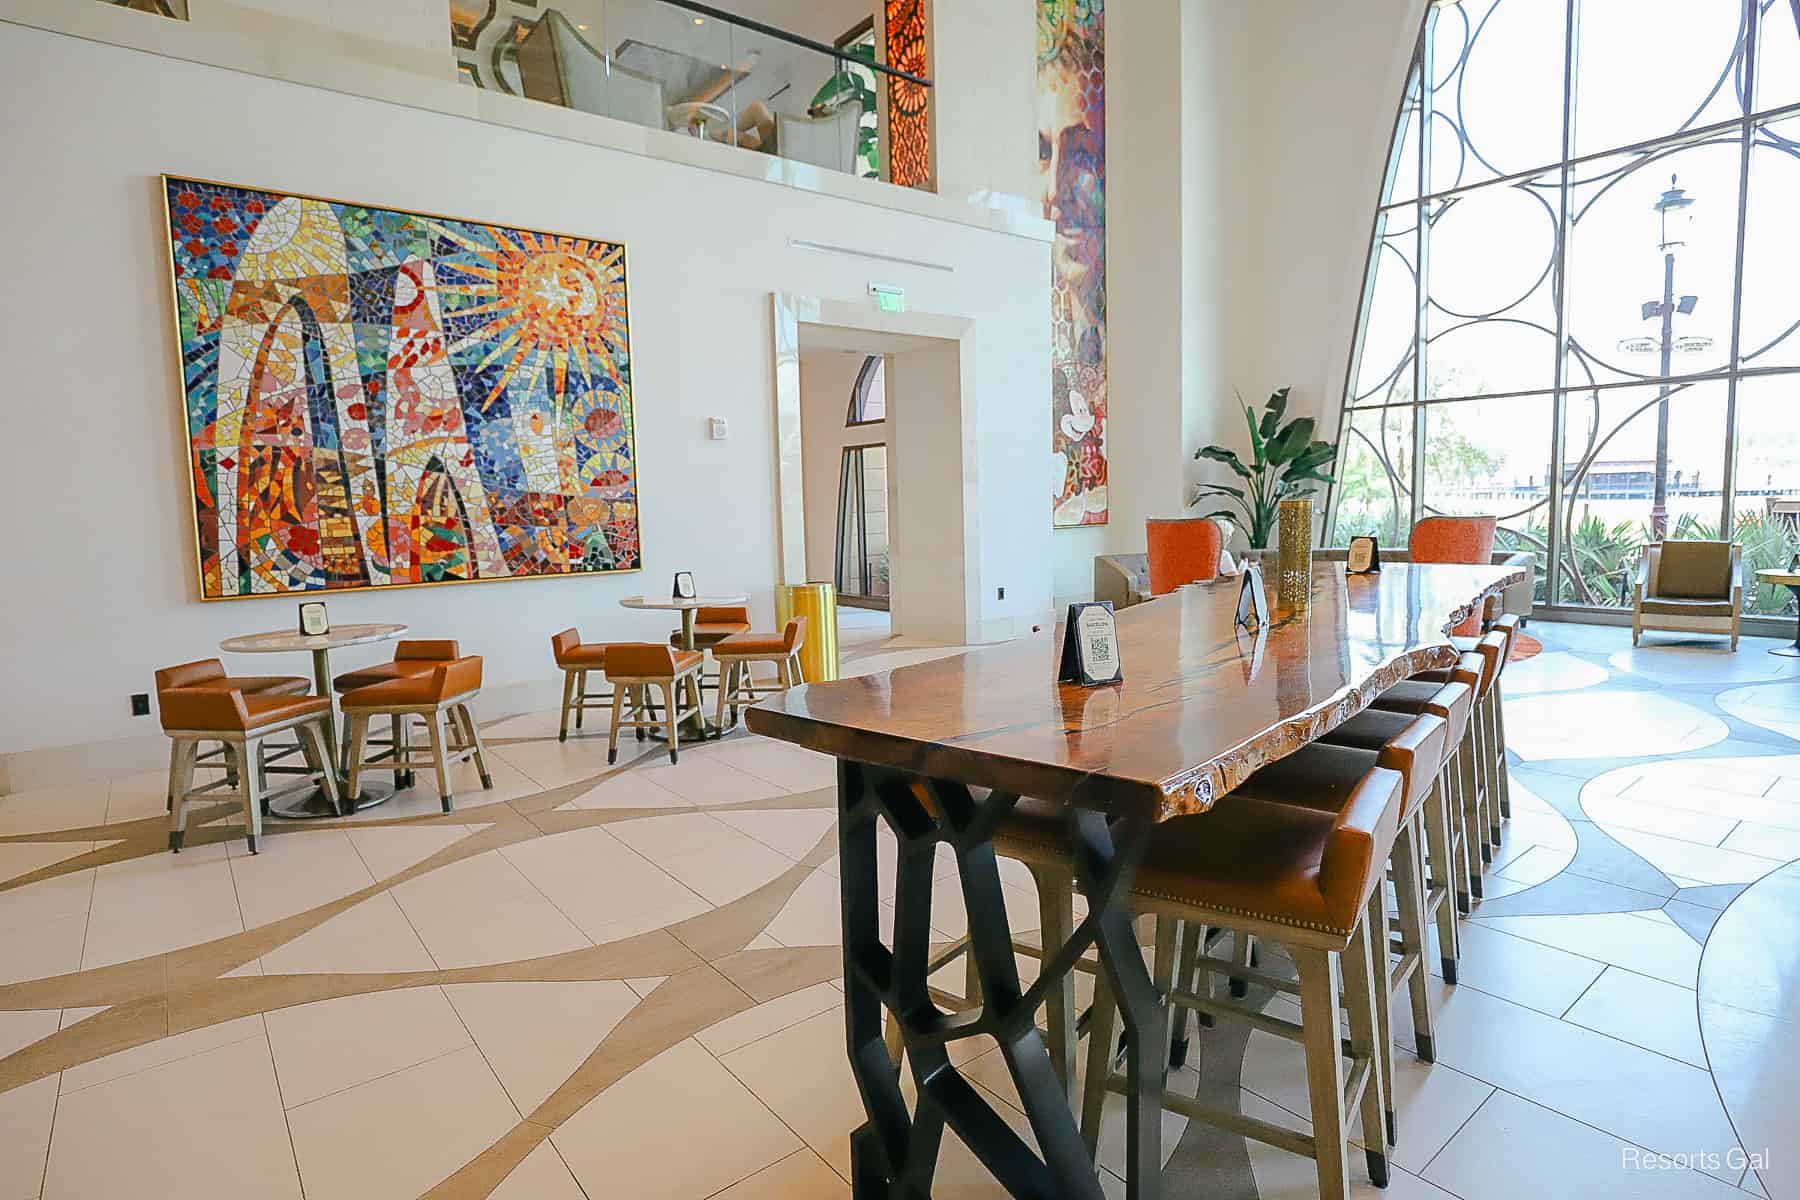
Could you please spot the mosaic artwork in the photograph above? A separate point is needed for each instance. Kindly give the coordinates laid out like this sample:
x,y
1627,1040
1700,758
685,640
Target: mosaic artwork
x,y
378,398
909,117
1072,163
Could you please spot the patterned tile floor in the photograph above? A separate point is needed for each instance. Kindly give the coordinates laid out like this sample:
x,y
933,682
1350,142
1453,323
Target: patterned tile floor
x,y
622,982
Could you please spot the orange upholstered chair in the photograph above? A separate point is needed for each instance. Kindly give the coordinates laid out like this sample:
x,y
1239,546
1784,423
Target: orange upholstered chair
x,y
210,673
737,686
440,699
193,715
1182,550
1454,540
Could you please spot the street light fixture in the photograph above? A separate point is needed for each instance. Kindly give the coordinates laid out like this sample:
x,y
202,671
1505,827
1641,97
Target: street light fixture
x,y
1675,223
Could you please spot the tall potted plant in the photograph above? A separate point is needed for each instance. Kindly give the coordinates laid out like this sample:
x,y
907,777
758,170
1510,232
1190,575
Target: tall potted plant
x,y
1285,463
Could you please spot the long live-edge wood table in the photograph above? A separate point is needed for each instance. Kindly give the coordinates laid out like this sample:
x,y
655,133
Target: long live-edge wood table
x,y
943,750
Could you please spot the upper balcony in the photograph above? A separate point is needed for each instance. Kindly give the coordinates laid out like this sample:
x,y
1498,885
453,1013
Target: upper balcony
x,y
831,83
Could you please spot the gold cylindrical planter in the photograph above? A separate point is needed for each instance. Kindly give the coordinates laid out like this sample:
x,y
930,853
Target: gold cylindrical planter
x,y
817,602
1294,571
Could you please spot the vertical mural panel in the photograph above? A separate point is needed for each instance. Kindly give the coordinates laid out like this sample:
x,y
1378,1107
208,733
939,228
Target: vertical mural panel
x,y
1072,164
908,111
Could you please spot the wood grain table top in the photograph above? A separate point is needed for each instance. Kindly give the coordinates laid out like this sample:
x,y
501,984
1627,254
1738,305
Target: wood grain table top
x,y
1202,705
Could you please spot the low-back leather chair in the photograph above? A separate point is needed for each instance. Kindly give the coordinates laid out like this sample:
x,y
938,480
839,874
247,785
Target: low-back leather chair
x,y
1681,585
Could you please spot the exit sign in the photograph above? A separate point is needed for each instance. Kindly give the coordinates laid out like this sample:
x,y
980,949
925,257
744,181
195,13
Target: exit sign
x,y
888,299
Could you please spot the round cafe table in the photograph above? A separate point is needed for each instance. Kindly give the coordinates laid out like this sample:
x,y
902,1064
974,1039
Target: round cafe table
x,y
1791,581
315,805
702,729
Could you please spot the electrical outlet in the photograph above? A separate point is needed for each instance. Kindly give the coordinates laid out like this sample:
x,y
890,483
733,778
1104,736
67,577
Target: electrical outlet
x,y
1002,593
140,704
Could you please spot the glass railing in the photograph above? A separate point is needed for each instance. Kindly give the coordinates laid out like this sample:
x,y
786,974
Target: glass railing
x,y
813,96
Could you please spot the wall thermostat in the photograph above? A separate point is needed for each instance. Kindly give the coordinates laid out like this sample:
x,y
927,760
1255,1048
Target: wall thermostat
x,y
716,428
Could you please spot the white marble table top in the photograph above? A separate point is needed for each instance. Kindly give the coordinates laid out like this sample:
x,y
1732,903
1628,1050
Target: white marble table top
x,y
289,640
1780,578
671,604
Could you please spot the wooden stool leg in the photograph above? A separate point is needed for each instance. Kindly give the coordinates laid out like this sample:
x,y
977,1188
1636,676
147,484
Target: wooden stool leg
x,y
181,782
359,741
1181,1019
1360,991
1468,765
562,732
1243,947
1099,1060
580,690
253,798
1410,892
434,723
726,671
618,709
474,740
671,726
1324,1068
1502,806
1377,920
1056,908
1443,882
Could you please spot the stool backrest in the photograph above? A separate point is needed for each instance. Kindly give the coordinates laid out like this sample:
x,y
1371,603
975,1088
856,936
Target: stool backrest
x,y
562,643
192,674
726,614
794,636
457,678
203,708
1492,648
1417,753
1361,839
1453,702
639,660
440,648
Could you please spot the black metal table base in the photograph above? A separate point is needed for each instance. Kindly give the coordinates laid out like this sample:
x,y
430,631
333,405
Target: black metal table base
x,y
1792,651
894,1154
315,805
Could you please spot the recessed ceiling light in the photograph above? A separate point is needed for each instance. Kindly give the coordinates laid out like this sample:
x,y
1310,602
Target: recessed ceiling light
x,y
581,27
699,20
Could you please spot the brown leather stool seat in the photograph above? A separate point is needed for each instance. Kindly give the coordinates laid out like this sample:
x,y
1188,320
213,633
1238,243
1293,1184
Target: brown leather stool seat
x,y
736,656
411,658
714,624
210,672
575,658
440,698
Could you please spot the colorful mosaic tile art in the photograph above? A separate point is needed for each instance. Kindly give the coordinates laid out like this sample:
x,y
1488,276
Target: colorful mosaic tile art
x,y
378,398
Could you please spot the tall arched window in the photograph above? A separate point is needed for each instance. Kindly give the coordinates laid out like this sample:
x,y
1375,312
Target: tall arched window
x,y
1583,291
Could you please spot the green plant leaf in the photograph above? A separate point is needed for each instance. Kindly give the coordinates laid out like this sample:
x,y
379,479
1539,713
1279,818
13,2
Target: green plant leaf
x,y
1292,441
1222,514
1216,489
1258,447
1273,412
1229,458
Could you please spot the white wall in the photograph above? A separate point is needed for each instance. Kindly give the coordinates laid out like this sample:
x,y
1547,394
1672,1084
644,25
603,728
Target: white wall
x,y
984,63
100,585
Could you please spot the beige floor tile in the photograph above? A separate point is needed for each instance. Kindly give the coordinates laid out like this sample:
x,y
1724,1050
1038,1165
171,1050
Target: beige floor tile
x,y
721,875
51,899
706,781
638,1137
21,858
1646,1012
465,886
678,833
1764,841
792,832
1607,724
552,764
647,984
542,1176
1619,939
1705,863
295,872
42,810
791,767
738,1031
26,1116
949,919
20,1029
136,796
1513,1148
802,1175
1283,1176
400,1134
631,789
801,1074
113,1139
369,937
601,884
813,916
163,1050
328,1046
1634,1094
387,852
512,930
40,951
162,902
1632,810
1525,972
534,1035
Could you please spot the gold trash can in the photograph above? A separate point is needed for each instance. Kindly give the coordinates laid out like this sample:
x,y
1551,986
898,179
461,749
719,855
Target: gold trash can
x,y
817,602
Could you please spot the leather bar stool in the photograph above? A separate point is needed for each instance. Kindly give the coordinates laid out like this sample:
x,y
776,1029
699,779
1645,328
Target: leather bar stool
x,y
739,653
210,673
575,659
439,699
412,657
1310,879
636,667
714,624
1418,695
193,715
1374,728
1325,777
